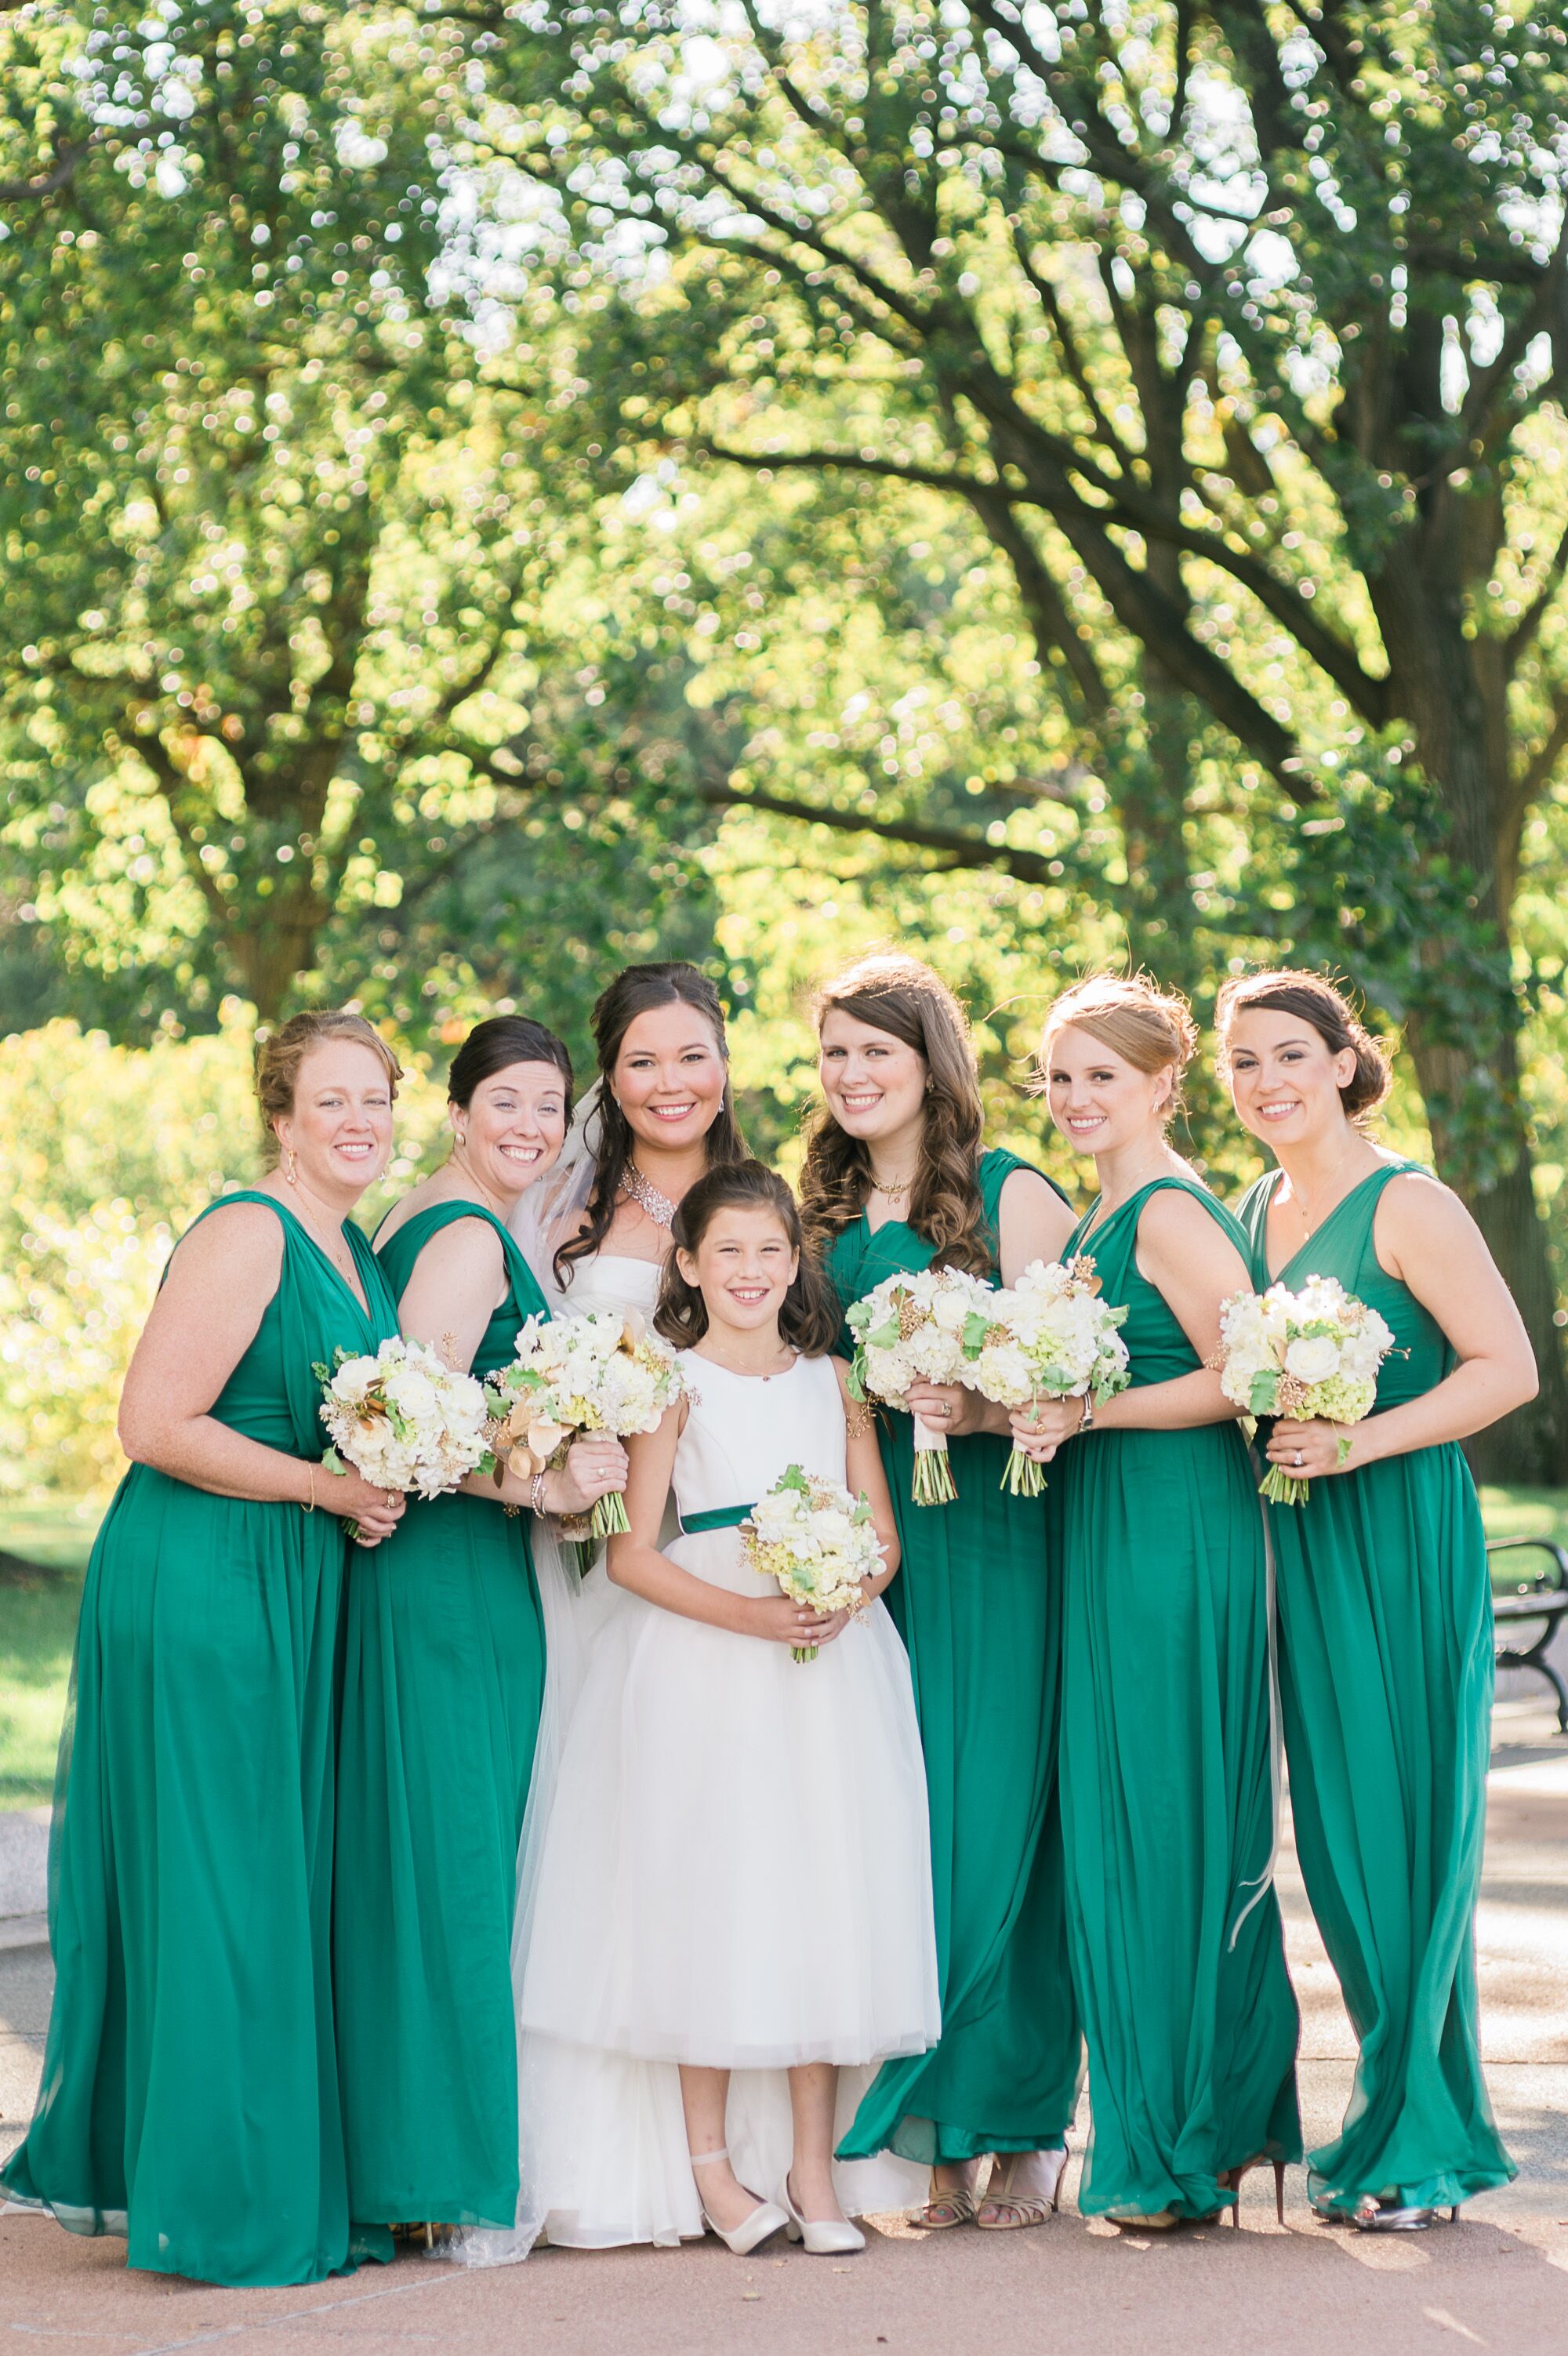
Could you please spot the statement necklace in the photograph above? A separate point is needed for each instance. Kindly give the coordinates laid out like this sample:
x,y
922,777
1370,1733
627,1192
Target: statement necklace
x,y
643,1191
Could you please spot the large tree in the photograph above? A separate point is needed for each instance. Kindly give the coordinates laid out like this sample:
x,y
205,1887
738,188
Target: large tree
x,y
281,577
1241,330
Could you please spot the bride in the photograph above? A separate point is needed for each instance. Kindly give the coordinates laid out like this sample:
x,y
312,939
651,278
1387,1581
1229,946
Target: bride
x,y
660,1115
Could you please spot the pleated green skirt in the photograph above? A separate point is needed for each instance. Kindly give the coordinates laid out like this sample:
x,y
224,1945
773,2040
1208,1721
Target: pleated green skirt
x,y
190,2093
443,1685
1386,1675
978,1603
1166,1802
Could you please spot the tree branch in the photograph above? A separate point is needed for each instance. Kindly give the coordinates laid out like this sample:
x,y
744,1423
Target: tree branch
x,y
957,850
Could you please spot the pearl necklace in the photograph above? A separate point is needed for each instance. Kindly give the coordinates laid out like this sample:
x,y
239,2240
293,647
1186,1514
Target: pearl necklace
x,y
646,1194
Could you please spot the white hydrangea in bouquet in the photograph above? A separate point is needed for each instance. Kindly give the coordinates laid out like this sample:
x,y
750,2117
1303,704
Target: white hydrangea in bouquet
x,y
915,1328
596,1371
403,1419
1048,1336
1314,1353
816,1540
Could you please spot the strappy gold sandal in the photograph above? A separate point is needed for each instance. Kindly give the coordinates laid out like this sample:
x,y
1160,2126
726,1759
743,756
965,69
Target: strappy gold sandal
x,y
950,2205
1016,2210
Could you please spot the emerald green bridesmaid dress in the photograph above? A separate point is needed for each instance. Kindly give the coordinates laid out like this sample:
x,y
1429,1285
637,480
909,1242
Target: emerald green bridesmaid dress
x,y
189,2096
977,1602
1165,1780
1386,1687
443,1685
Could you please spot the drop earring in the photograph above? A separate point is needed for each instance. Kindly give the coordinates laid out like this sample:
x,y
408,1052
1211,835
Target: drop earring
x,y
291,1166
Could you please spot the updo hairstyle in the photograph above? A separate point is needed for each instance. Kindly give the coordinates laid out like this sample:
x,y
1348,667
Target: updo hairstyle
x,y
1150,1028
1315,999
281,1054
497,1043
809,1319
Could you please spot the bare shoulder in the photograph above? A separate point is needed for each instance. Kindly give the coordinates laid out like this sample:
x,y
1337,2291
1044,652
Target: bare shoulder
x,y
1417,1208
1173,1219
1026,1190
841,1369
1179,1234
234,1237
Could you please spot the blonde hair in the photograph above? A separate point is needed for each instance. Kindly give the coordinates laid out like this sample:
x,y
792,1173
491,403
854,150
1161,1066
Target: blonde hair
x,y
1314,999
1148,1027
282,1052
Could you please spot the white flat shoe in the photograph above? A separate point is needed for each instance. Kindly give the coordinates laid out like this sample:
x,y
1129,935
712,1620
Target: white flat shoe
x,y
821,2237
764,2221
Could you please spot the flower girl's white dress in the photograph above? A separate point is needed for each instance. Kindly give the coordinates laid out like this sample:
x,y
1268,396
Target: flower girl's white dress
x,y
735,1870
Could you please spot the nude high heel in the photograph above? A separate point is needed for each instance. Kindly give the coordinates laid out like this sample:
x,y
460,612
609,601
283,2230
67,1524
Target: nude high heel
x,y
752,2231
823,2237
1231,2182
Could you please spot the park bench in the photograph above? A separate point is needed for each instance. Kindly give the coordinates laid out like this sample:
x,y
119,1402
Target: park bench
x,y
1526,1612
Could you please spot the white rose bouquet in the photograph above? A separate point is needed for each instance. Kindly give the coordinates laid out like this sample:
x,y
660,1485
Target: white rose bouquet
x,y
915,1328
402,1418
593,1372
817,1541
1048,1336
1299,1355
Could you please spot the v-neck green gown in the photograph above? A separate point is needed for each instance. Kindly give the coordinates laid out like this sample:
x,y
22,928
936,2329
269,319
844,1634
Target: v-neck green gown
x,y
443,1686
1166,1790
1386,1684
189,2094
977,1601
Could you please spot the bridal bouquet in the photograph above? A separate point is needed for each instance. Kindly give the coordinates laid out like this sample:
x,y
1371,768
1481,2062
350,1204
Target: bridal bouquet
x,y
1050,1336
1314,1353
593,1372
915,1327
403,1419
817,1541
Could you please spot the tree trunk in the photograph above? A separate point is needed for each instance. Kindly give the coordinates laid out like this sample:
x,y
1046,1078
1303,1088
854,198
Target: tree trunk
x,y
1454,688
1531,1444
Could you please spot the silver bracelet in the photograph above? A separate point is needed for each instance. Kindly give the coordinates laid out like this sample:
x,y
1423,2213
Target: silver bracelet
x,y
536,1493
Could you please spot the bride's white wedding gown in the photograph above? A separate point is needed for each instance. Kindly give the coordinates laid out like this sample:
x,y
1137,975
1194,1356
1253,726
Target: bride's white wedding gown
x,y
734,1869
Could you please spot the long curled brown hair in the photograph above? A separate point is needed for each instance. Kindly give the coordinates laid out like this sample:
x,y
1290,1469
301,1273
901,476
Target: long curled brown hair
x,y
633,992
898,994
808,1317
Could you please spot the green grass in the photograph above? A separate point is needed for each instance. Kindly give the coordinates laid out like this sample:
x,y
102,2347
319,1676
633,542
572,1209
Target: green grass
x,y
38,1608
37,1628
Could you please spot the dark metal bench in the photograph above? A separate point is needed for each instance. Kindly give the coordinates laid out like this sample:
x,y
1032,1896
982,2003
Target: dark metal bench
x,y
1527,1612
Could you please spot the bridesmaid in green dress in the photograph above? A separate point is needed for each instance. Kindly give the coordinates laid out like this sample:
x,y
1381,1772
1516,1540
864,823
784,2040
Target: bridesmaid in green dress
x,y
444,1679
190,2092
1385,1607
1167,1787
895,1177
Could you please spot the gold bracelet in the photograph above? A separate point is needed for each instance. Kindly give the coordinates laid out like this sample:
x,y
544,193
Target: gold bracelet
x,y
310,1474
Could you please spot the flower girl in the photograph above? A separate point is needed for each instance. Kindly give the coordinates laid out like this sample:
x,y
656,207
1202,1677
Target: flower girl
x,y
728,1921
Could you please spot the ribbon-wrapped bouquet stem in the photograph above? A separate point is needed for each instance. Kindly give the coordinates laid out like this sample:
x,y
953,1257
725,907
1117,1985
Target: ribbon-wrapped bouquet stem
x,y
595,1372
1047,1336
1304,1355
913,1328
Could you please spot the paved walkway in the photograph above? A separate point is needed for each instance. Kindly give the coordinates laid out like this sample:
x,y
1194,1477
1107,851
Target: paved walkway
x,y
1497,2281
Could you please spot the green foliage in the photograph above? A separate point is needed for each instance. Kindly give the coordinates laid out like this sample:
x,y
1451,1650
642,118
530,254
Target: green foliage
x,y
106,1155
283,577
